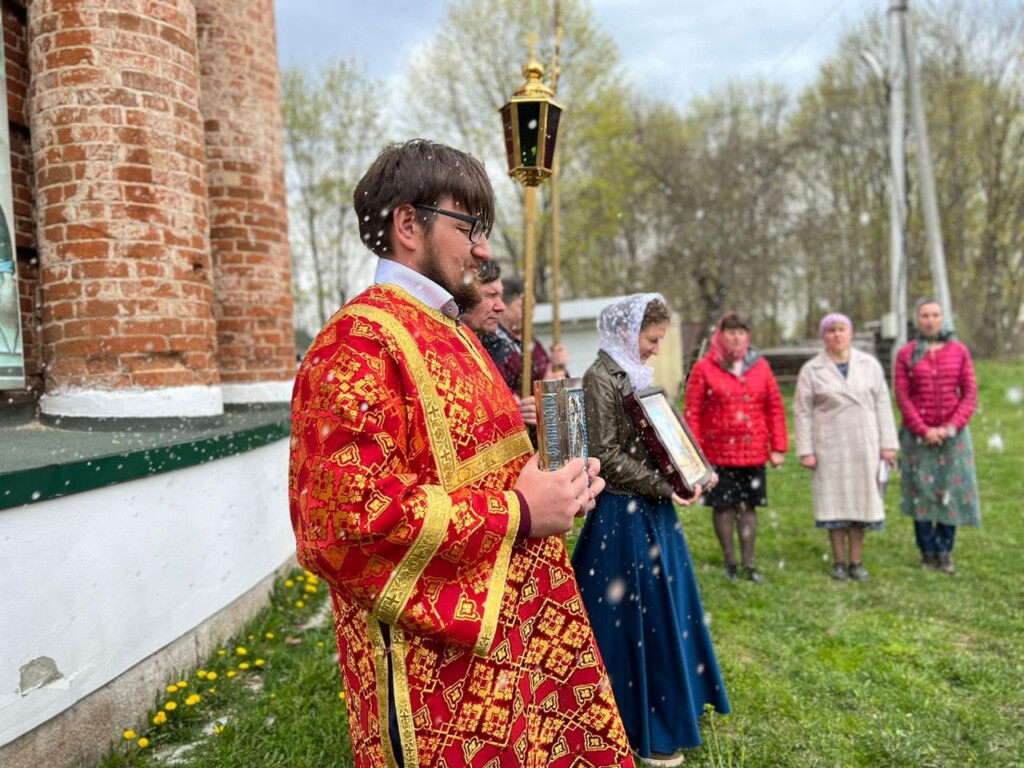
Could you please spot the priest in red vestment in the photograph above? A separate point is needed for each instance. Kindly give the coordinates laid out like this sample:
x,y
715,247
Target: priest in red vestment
x,y
462,637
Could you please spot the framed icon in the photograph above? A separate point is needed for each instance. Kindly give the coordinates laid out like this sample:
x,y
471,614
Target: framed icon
x,y
669,439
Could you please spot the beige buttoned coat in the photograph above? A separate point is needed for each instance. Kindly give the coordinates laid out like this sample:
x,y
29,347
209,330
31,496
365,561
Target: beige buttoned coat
x,y
845,423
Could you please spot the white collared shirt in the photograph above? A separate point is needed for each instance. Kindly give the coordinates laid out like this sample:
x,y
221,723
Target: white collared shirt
x,y
416,285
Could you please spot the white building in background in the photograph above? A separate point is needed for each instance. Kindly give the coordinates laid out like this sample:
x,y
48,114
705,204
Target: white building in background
x,y
578,319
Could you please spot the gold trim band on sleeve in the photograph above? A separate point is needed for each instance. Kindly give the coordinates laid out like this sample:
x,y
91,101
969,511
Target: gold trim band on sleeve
x,y
496,587
402,581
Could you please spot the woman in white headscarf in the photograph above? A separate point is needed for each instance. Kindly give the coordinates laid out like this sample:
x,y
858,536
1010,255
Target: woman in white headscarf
x,y
631,559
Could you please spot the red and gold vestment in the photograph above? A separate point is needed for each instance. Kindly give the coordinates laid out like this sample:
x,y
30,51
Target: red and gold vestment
x,y
405,447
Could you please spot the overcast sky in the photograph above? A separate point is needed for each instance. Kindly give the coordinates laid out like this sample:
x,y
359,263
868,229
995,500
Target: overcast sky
x,y
672,49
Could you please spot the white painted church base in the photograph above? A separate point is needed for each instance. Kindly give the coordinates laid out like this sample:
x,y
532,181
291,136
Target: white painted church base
x,y
134,402
257,392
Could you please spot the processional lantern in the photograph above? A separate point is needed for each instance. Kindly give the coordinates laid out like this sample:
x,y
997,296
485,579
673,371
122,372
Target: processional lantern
x,y
530,121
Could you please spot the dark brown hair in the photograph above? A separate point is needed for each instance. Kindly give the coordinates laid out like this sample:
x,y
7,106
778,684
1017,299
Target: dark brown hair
x,y
656,312
419,172
731,320
490,271
514,288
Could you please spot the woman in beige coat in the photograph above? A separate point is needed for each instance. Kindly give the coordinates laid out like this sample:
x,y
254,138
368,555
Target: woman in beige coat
x,y
846,436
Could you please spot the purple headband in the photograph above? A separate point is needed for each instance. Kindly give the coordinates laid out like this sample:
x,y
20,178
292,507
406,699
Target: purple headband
x,y
832,319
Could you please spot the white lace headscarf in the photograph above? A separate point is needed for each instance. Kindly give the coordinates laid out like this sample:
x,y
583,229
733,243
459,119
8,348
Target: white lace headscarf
x,y
618,329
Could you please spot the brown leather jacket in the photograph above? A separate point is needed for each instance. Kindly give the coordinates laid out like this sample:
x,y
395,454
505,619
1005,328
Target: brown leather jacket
x,y
626,464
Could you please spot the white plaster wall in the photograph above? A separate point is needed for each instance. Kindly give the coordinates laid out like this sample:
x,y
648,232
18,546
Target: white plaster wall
x,y
582,342
98,581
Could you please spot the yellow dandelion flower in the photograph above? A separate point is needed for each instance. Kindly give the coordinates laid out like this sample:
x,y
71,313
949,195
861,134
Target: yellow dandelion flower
x,y
289,583
218,728
211,690
299,604
259,662
241,651
172,689
273,695
341,695
309,588
243,666
300,578
170,706
143,743
129,735
192,700
320,644
251,638
160,718
221,652
183,684
310,574
231,673
211,675
269,635
201,674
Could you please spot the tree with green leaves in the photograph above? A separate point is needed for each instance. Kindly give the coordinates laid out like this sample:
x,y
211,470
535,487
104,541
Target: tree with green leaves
x,y
459,81
332,126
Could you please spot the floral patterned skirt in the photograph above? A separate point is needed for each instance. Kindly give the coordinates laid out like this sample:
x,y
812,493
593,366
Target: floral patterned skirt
x,y
939,482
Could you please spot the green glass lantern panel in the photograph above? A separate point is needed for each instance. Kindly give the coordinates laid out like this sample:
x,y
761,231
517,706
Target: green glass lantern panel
x,y
528,114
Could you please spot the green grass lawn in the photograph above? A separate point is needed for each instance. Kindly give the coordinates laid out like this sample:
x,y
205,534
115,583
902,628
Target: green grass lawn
x,y
910,668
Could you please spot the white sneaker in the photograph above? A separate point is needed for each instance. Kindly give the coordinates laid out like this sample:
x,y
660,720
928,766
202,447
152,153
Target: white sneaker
x,y
660,761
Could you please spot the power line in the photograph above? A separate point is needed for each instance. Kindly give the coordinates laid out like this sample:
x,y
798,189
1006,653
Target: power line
x,y
814,30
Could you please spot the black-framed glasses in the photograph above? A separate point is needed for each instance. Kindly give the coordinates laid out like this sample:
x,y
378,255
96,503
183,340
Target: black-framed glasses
x,y
476,224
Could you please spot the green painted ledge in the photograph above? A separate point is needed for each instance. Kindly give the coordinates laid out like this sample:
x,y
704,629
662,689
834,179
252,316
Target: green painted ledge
x,y
38,463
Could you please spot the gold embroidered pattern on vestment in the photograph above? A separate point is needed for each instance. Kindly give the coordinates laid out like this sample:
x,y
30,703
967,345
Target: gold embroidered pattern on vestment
x,y
492,606
452,474
380,669
403,579
403,699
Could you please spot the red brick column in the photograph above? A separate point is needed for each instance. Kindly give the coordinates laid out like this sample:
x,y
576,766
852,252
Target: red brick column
x,y
241,106
122,216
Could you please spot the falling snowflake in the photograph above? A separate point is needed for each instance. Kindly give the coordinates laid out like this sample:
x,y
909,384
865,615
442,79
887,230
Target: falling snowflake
x,y
616,591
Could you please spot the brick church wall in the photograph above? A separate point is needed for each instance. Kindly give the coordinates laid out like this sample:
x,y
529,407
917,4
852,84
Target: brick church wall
x,y
248,206
121,195
150,213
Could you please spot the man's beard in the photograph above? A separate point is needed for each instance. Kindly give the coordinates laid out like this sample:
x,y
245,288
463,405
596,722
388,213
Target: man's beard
x,y
466,292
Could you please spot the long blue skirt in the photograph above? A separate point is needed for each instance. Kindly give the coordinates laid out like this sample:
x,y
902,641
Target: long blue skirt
x,y
638,584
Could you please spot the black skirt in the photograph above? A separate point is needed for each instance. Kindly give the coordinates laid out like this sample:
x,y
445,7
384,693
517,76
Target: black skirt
x,y
738,485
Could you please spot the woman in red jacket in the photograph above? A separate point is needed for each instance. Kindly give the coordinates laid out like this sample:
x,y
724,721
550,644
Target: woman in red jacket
x,y
936,392
735,410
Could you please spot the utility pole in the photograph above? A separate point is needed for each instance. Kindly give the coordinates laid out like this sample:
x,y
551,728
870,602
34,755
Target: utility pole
x,y
556,205
898,172
929,200
903,70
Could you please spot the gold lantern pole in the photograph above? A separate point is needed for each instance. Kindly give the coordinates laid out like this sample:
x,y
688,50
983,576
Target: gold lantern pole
x,y
556,234
530,121
530,261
